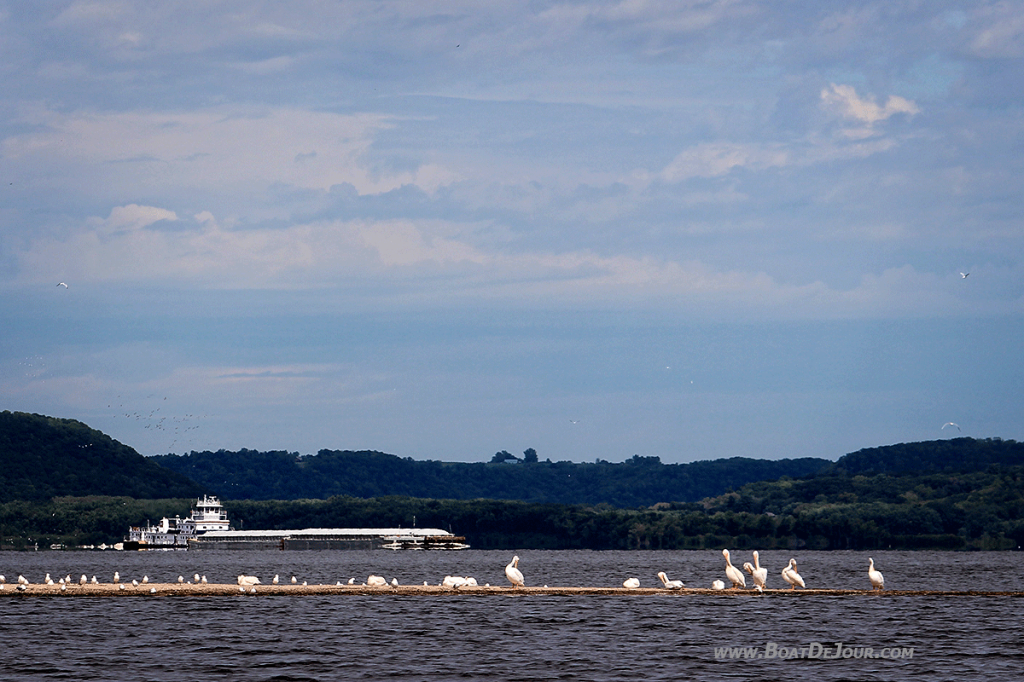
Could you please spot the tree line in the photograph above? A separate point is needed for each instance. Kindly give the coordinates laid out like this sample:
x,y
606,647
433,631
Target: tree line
x,y
962,510
639,481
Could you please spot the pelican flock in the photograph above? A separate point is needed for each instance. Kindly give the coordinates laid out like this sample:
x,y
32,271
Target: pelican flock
x,y
246,583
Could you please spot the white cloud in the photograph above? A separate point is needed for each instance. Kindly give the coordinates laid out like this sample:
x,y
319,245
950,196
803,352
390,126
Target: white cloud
x,y
133,217
843,99
716,159
1003,32
230,151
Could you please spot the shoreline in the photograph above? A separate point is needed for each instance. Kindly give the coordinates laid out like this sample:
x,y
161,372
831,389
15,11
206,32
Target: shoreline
x,y
225,590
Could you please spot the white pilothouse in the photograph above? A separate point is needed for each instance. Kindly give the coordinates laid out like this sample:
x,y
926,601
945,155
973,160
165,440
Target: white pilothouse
x,y
175,532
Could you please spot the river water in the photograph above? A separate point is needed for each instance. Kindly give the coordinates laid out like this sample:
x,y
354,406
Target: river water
x,y
514,637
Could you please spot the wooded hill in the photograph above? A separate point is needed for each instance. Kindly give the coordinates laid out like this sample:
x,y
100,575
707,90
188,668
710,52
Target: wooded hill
x,y
639,481
43,457
57,476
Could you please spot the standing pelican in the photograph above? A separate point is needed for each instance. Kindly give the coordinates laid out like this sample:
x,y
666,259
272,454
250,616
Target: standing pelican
x,y
734,574
875,576
757,572
514,575
670,584
790,575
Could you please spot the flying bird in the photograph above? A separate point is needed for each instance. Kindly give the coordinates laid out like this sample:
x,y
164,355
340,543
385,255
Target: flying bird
x,y
964,275
61,284
951,424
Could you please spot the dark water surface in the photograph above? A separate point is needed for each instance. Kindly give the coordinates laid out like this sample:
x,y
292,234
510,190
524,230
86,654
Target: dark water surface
x,y
511,637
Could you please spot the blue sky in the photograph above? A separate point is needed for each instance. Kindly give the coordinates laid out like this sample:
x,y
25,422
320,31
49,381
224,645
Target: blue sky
x,y
695,229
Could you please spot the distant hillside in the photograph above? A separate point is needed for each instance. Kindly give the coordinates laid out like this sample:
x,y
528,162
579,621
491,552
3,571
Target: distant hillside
x,y
43,457
639,481
957,454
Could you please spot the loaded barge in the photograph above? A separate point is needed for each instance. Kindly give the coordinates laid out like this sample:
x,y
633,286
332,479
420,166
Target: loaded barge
x,y
208,528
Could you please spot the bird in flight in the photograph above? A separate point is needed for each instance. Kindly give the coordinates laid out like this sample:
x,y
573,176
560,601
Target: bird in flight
x,y
951,424
963,275
61,284
575,421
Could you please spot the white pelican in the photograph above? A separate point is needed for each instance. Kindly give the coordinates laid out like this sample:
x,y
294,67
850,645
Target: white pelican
x,y
276,579
734,574
471,582
376,581
631,583
514,575
790,575
248,580
718,585
759,574
875,576
670,584
453,581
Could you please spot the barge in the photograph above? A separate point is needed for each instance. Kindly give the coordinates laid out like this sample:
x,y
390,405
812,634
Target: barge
x,y
208,527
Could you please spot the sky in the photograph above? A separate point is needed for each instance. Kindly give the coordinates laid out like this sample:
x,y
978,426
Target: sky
x,y
689,229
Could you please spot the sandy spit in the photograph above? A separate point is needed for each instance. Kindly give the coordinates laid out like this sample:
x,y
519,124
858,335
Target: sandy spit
x,y
224,590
